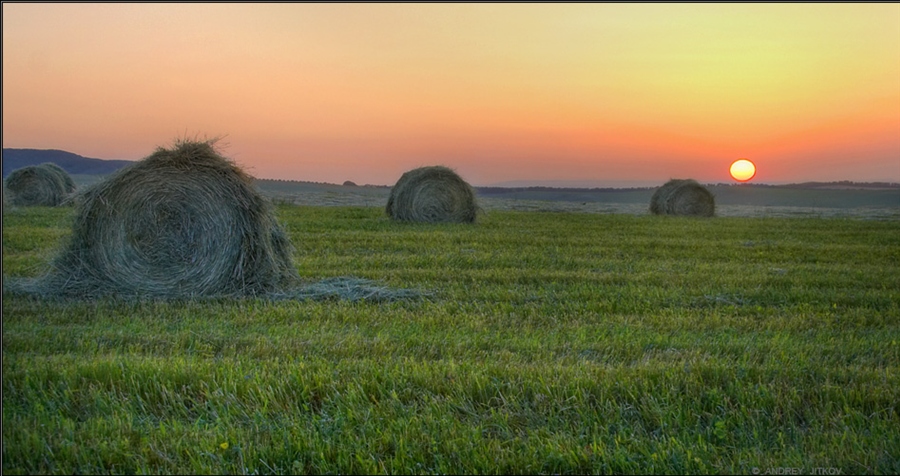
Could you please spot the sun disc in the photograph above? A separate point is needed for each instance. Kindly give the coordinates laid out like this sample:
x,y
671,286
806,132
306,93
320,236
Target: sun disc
x,y
742,170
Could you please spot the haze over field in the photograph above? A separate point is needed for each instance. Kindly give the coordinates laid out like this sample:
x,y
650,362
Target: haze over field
x,y
513,93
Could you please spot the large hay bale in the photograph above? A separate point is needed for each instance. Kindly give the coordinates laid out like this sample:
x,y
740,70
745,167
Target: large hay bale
x,y
683,197
183,222
434,194
39,185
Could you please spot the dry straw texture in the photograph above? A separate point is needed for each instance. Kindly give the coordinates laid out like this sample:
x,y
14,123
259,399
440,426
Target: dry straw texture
x,y
182,222
68,183
433,194
683,197
39,185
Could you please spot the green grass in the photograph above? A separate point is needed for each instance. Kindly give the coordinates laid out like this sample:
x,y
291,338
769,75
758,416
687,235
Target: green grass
x,y
550,343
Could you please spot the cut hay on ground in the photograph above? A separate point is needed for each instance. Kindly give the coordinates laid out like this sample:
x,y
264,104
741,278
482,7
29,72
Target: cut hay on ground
x,y
183,222
683,197
348,288
433,194
44,185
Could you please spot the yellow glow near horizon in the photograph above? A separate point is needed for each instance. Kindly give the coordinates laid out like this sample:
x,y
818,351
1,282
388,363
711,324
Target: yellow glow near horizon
x,y
742,170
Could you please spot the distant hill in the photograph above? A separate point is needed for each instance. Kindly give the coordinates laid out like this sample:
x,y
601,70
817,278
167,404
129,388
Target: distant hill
x,y
88,170
72,163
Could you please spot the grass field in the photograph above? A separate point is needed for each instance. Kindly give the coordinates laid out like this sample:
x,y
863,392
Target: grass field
x,y
544,343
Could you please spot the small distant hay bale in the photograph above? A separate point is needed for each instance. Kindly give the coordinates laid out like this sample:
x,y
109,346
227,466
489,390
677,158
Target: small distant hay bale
x,y
44,185
433,194
68,183
683,197
183,222
349,183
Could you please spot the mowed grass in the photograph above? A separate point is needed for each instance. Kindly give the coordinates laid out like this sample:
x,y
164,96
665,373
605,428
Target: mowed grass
x,y
545,343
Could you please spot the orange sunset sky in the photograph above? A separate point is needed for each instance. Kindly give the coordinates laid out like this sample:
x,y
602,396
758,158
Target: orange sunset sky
x,y
631,94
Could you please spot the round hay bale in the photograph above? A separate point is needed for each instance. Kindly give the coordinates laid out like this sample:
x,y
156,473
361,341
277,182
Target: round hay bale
x,y
183,222
658,200
683,197
38,185
68,183
433,194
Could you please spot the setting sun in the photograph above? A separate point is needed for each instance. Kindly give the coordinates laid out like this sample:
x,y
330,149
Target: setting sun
x,y
743,170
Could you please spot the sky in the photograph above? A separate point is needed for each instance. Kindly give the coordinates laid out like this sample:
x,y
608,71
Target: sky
x,y
529,93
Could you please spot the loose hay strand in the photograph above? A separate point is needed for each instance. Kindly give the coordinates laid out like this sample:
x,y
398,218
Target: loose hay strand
x,y
433,194
348,289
